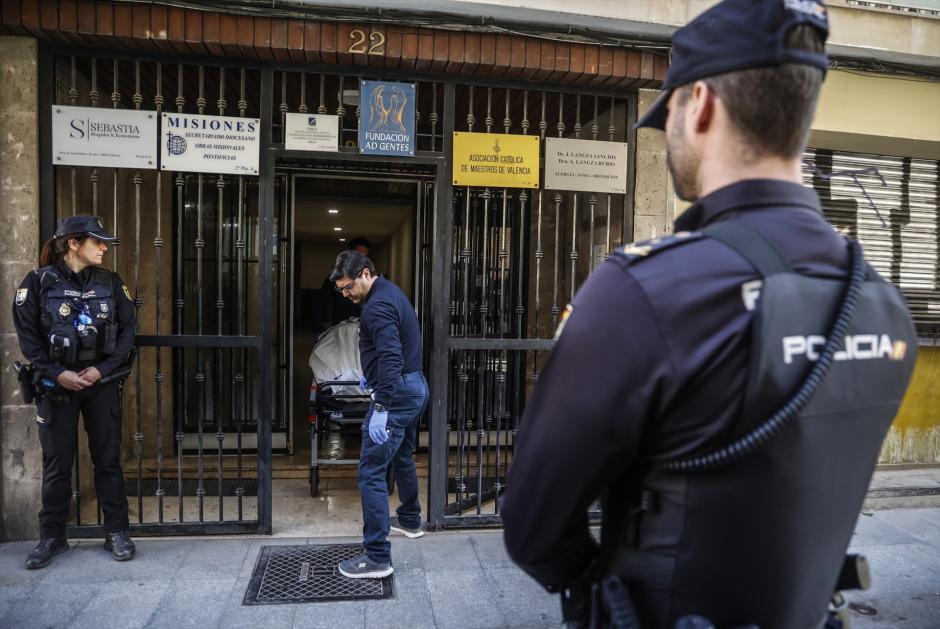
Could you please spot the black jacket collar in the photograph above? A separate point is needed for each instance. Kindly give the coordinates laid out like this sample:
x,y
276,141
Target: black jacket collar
x,y
747,194
66,273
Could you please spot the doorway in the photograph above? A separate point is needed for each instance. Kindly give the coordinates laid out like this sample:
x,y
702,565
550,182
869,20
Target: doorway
x,y
324,210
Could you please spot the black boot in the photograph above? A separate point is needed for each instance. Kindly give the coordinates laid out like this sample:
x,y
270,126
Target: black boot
x,y
46,549
120,546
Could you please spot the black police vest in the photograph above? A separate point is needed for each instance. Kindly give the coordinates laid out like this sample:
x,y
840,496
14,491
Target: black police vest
x,y
72,340
761,540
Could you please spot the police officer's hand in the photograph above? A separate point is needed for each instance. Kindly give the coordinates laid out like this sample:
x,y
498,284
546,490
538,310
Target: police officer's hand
x,y
91,374
73,381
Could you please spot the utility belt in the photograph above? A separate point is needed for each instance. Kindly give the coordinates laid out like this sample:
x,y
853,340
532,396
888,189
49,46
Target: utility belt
x,y
606,603
35,386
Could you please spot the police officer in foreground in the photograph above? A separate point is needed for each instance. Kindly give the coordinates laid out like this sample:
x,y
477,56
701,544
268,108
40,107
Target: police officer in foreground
x,y
76,323
725,390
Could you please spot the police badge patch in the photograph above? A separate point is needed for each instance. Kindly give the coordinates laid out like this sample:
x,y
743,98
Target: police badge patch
x,y
64,309
127,293
21,296
103,306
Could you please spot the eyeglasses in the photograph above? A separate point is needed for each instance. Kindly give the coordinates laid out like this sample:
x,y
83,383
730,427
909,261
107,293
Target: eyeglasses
x,y
348,287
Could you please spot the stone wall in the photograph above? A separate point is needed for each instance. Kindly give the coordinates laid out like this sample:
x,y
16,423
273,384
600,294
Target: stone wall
x,y
655,202
20,458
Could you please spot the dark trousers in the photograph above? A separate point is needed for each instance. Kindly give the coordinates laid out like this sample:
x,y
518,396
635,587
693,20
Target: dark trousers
x,y
100,407
403,416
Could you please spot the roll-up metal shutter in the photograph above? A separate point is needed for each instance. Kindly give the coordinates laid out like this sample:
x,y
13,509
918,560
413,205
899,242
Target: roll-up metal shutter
x,y
904,247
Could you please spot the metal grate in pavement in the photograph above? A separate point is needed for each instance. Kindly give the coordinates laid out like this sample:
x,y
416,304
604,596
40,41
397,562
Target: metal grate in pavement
x,y
307,574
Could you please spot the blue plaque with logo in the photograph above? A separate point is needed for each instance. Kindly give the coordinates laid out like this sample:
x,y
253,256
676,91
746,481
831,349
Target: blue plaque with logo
x,y
386,118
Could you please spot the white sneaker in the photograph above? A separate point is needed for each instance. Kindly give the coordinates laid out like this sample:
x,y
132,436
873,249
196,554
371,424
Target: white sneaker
x,y
362,567
404,530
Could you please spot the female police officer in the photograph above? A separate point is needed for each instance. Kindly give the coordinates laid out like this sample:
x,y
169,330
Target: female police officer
x,y
76,323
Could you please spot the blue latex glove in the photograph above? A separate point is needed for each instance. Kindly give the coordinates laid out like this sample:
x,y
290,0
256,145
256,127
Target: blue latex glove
x,y
377,427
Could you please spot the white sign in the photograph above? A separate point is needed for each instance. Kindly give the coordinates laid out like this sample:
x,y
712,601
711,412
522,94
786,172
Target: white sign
x,y
210,144
311,132
110,138
585,165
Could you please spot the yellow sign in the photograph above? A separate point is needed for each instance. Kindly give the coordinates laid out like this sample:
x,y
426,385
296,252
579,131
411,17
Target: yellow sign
x,y
496,160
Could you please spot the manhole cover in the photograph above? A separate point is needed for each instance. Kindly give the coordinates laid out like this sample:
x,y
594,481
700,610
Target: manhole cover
x,y
302,574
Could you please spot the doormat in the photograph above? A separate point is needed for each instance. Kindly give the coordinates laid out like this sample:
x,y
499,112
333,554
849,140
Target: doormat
x,y
310,574
170,486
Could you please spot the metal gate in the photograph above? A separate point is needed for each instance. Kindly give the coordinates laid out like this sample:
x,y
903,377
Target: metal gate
x,y
516,257
192,249
201,252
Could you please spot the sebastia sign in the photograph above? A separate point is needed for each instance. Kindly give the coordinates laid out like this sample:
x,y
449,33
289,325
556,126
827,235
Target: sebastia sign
x,y
106,138
386,118
194,143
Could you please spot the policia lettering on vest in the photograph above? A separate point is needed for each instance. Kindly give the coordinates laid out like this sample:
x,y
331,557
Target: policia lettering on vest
x,y
76,324
724,390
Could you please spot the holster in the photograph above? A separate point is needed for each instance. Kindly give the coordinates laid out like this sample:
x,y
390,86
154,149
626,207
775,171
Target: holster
x,y
576,604
598,604
24,374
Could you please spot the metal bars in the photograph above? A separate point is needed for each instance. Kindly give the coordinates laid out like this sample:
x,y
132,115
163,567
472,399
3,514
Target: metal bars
x,y
892,206
499,326
214,264
504,238
502,296
338,94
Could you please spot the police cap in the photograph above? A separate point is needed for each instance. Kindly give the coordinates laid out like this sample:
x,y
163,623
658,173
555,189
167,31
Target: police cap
x,y
83,224
737,35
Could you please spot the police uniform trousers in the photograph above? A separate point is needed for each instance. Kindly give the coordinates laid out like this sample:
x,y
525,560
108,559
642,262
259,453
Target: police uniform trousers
x,y
100,406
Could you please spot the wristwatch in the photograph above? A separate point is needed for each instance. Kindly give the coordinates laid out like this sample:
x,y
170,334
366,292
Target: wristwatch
x,y
379,408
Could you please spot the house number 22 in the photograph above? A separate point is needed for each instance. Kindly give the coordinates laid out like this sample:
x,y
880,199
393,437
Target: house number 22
x,y
376,43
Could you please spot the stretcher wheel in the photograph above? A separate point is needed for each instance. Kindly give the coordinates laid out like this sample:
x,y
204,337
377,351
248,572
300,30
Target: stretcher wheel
x,y
314,481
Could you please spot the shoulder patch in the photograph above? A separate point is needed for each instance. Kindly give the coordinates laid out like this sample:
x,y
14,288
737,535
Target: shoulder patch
x,y
636,251
127,293
21,296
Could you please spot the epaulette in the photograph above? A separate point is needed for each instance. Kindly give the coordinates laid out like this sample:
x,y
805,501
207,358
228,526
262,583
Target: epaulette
x,y
636,251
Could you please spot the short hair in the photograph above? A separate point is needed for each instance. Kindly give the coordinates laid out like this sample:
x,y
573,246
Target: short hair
x,y
350,264
772,108
359,241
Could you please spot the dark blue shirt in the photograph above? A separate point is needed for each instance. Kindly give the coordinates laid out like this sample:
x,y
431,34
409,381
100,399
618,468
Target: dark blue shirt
x,y
652,364
389,340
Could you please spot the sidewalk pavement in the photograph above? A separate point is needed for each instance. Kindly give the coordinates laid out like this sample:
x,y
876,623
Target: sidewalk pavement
x,y
441,580
452,579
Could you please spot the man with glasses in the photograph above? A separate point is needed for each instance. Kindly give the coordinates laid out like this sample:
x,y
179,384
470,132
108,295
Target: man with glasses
x,y
390,352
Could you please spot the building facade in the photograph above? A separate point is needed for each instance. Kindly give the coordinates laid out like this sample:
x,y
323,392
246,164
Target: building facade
x,y
220,263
